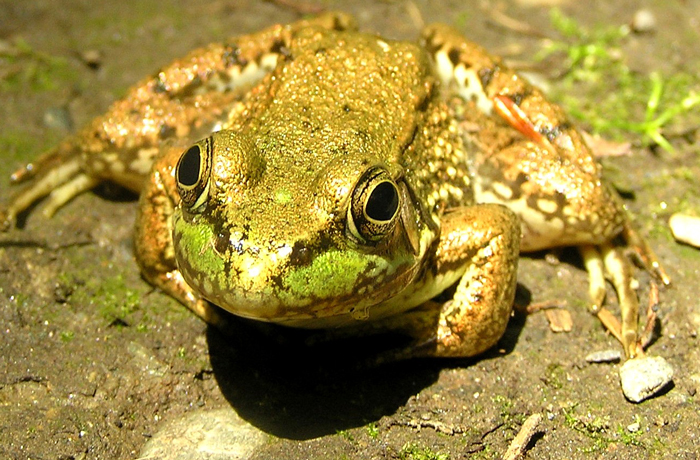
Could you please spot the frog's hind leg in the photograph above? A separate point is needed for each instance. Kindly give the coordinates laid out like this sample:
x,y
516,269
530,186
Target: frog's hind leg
x,y
187,99
530,158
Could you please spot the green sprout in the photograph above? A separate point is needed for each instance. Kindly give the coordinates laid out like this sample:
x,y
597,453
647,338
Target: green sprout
x,y
594,65
657,116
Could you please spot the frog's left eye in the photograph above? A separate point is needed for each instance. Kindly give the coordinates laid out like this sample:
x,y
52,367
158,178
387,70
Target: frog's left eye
x,y
374,207
192,174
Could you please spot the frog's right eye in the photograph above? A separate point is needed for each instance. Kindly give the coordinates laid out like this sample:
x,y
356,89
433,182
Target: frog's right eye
x,y
192,174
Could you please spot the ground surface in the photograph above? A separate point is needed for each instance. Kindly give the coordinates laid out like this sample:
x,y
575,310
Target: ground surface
x,y
93,361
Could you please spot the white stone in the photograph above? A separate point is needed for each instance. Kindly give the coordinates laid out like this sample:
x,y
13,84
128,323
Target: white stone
x,y
643,377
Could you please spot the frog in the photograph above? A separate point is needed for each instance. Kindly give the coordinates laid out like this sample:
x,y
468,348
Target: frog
x,y
316,176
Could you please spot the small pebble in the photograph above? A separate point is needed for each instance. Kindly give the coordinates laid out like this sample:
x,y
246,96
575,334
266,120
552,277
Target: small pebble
x,y
58,118
604,356
642,378
643,21
685,228
633,427
92,58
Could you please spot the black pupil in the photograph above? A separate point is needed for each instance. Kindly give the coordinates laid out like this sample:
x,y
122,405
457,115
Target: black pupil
x,y
188,171
382,202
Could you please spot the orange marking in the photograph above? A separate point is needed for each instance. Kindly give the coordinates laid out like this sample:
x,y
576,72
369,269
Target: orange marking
x,y
519,120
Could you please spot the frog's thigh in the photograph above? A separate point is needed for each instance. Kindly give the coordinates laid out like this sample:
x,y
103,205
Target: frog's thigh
x,y
558,202
485,240
153,238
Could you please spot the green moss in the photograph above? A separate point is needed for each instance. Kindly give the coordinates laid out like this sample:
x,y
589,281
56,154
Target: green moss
x,y
507,411
593,427
555,375
67,336
412,451
111,296
19,147
372,430
630,438
486,452
345,434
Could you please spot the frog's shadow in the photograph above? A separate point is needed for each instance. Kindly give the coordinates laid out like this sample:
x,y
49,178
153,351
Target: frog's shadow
x,y
281,384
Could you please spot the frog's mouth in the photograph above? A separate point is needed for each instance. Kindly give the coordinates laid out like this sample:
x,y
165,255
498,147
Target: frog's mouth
x,y
331,287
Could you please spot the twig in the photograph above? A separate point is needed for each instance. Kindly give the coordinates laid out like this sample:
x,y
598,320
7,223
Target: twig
x,y
522,439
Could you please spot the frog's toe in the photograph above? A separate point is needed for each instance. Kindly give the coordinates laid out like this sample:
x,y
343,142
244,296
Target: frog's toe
x,y
54,175
607,260
635,241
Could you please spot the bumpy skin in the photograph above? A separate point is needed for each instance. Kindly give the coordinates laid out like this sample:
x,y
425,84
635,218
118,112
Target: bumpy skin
x,y
343,179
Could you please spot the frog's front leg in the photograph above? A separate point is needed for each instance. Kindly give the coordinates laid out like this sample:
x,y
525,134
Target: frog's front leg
x,y
187,99
153,239
479,246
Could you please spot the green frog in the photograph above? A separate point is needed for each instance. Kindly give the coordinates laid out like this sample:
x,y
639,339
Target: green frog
x,y
315,176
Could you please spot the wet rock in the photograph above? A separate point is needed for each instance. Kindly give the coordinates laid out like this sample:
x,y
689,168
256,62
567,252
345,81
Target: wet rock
x,y
642,378
604,356
206,435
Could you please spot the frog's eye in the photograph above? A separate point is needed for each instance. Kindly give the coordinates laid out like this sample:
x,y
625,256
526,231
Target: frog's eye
x,y
192,174
374,206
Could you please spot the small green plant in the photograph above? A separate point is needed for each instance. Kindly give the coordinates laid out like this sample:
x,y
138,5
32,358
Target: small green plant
x,y
411,451
67,336
372,430
595,428
345,434
587,51
659,114
601,90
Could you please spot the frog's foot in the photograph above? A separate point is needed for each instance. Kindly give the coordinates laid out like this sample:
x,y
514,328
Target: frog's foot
x,y
608,260
58,174
479,246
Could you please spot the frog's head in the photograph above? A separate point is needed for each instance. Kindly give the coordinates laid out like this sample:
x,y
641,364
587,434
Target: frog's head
x,y
268,238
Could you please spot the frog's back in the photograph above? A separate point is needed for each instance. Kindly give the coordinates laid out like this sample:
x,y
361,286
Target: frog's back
x,y
345,96
340,93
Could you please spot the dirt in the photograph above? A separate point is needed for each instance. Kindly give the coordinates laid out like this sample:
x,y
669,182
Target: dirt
x,y
93,361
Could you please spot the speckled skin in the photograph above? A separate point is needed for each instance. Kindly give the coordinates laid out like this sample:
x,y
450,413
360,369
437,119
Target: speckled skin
x,y
348,179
